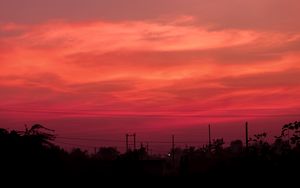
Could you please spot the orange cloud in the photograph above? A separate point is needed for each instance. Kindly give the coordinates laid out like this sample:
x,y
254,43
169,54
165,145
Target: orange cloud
x,y
143,68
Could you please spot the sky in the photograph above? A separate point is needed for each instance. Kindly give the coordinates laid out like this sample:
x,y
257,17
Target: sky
x,y
104,68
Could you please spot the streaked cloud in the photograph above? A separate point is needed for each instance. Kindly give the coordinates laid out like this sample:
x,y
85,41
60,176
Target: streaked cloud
x,y
187,63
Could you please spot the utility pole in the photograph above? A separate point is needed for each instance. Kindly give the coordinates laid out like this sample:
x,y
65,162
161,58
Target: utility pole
x,y
127,146
127,141
247,140
209,137
173,149
134,141
147,147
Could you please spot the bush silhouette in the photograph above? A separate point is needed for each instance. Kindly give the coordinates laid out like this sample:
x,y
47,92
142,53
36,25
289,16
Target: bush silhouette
x,y
32,152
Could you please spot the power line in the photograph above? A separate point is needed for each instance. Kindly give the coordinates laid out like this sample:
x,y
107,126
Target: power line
x,y
155,150
72,144
89,139
122,141
81,145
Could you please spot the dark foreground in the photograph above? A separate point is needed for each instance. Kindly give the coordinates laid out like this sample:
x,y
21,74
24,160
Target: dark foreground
x,y
32,154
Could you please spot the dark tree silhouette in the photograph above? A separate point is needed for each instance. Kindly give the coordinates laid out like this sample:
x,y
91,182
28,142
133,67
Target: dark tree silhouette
x,y
32,153
107,153
39,134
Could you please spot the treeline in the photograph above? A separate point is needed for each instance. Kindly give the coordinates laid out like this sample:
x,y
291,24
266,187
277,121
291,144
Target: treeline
x,y
32,153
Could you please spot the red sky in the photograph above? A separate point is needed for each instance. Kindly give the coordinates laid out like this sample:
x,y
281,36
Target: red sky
x,y
100,68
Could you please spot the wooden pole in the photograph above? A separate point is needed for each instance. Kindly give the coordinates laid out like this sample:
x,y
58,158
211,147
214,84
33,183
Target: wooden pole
x,y
173,148
209,137
127,147
134,141
247,138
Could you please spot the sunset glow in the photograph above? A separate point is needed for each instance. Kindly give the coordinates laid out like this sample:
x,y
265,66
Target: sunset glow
x,y
168,68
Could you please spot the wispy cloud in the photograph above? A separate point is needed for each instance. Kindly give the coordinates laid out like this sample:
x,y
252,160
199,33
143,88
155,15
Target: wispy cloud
x,y
144,68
